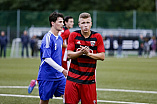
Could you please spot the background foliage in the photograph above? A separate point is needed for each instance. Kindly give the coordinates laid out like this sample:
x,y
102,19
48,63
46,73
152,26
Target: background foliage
x,y
78,5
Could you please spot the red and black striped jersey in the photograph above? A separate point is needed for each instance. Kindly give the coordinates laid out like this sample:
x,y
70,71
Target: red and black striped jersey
x,y
82,69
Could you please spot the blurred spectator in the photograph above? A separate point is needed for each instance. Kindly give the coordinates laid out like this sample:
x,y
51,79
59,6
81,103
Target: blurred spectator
x,y
119,50
111,49
146,47
153,47
3,44
25,42
141,45
34,46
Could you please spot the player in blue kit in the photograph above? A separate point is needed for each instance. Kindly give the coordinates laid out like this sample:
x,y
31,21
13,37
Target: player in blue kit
x,y
51,75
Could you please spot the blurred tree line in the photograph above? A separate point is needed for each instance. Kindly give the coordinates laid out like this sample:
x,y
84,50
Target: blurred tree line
x,y
78,5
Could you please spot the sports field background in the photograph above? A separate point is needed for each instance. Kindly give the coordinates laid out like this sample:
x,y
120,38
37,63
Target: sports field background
x,y
119,80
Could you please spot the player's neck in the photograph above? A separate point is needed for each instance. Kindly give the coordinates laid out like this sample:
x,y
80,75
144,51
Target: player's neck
x,y
54,31
67,27
86,34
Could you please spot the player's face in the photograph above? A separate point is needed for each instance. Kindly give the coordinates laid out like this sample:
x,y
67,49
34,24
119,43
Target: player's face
x,y
2,33
58,24
85,24
70,23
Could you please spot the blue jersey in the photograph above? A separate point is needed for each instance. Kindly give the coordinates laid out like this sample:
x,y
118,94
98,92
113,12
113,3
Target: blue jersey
x,y
51,47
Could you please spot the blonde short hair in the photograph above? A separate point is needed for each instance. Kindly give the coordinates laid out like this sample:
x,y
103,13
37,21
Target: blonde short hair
x,y
84,15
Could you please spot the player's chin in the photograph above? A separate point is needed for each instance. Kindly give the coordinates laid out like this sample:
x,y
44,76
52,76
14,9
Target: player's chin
x,y
85,31
60,29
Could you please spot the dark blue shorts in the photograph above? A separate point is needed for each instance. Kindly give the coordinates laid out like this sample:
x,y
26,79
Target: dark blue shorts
x,y
49,88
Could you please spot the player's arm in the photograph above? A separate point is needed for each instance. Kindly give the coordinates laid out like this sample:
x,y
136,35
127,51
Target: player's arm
x,y
52,63
73,55
100,49
97,56
64,45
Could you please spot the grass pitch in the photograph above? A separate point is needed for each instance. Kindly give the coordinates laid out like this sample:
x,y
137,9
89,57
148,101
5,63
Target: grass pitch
x,y
129,74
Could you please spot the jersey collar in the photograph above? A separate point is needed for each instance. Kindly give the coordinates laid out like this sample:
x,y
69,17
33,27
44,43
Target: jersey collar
x,y
54,35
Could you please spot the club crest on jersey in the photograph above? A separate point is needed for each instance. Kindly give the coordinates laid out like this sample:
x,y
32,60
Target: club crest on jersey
x,y
92,43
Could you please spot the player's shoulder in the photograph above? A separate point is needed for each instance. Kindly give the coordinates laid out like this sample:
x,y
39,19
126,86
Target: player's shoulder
x,y
60,37
49,35
76,32
65,28
95,33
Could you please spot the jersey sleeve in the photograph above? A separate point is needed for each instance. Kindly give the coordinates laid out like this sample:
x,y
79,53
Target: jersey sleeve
x,y
47,44
100,44
71,42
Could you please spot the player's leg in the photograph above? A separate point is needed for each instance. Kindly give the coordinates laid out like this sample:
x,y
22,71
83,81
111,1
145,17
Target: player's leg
x,y
72,92
44,101
60,87
46,91
31,86
22,52
4,52
88,94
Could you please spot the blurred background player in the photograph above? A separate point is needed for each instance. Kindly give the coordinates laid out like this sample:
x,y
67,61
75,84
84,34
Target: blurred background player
x,y
68,23
34,46
119,50
141,45
85,47
3,44
153,44
25,41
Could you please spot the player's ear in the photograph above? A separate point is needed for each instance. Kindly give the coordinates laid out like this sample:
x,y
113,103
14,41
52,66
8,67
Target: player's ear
x,y
79,24
65,23
52,23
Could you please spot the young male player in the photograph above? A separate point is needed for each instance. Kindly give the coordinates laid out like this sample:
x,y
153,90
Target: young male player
x,y
85,47
68,23
51,76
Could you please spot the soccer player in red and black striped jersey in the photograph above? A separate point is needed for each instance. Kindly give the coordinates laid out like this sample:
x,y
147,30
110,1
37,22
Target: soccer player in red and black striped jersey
x,y
68,23
85,47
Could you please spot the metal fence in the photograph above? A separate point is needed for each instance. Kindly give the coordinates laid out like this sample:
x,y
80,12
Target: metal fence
x,y
14,22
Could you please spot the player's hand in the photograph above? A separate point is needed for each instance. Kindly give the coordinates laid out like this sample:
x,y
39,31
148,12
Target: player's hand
x,y
82,49
85,50
65,72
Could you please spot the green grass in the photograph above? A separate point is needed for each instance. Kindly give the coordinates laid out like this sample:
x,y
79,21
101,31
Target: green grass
x,y
130,73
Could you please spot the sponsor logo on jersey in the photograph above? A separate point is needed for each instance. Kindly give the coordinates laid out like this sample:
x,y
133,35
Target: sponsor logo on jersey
x,y
78,42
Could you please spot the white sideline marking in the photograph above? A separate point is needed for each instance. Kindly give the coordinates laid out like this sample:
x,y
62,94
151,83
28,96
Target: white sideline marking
x,y
14,87
98,89
105,101
122,90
